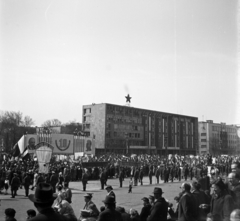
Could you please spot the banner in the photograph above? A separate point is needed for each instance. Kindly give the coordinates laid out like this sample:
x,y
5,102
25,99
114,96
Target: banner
x,y
89,146
63,143
30,141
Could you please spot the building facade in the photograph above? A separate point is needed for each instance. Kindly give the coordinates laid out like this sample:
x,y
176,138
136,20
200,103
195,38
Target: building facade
x,y
218,138
125,129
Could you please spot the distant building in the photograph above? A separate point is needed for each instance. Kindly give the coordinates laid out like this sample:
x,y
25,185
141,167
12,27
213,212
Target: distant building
x,y
125,129
218,138
63,129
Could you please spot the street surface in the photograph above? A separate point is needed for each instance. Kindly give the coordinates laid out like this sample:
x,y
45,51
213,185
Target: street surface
x,y
124,199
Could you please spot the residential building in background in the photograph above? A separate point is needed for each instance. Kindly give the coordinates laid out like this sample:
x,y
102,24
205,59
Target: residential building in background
x,y
126,129
218,138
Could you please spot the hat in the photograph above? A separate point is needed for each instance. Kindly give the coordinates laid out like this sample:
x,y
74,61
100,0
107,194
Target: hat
x,y
108,187
145,199
158,190
109,200
88,195
220,184
43,194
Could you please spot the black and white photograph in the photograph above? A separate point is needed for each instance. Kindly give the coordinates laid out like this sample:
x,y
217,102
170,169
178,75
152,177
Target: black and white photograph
x,y
120,110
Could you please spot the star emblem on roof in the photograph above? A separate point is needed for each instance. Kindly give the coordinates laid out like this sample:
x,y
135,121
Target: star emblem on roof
x,y
128,98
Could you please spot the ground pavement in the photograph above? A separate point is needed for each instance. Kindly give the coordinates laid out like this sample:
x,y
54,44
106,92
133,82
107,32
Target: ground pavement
x,y
127,200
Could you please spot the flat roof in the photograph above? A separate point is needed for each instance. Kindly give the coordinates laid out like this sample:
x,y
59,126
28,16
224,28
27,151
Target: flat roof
x,y
141,109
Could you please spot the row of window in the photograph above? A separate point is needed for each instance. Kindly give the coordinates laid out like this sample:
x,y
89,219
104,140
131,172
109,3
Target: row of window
x,y
126,127
117,134
219,128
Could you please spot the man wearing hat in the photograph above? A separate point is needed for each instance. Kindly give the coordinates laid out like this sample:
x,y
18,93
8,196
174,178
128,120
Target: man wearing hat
x,y
145,212
110,214
110,191
15,183
159,210
90,209
43,200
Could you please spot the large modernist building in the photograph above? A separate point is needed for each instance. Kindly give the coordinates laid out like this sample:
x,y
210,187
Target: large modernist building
x,y
218,138
125,129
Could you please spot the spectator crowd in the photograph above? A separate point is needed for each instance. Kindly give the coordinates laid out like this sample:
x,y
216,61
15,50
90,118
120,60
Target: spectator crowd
x,y
210,187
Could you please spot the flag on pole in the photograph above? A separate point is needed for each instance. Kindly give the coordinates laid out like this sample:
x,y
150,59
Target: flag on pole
x,y
19,149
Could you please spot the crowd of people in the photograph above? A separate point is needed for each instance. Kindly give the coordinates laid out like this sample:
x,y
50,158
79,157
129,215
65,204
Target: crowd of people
x,y
210,190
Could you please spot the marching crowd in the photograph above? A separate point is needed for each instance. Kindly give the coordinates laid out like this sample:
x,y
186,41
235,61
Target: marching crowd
x,y
212,198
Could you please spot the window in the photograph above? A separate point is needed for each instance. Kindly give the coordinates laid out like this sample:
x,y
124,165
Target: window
x,y
203,140
203,146
203,134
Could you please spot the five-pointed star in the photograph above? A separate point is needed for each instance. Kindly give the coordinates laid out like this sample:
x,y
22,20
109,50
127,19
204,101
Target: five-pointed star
x,y
128,98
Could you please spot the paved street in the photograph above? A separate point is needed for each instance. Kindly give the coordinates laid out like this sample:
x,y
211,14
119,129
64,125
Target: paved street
x,y
21,204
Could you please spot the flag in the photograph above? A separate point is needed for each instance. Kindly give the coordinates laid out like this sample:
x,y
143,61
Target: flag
x,y
18,148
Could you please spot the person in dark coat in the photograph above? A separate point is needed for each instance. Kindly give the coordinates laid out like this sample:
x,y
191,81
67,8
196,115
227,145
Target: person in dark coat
x,y
165,174
187,207
125,216
53,181
204,182
159,210
233,179
110,214
222,204
84,180
141,176
157,174
136,177
15,183
150,174
186,172
40,179
200,198
26,183
172,172
43,200
110,191
102,179
121,178
145,212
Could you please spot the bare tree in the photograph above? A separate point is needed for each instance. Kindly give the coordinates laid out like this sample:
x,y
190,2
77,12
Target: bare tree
x,y
56,122
11,117
52,123
28,121
47,123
